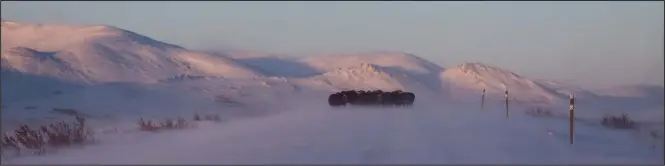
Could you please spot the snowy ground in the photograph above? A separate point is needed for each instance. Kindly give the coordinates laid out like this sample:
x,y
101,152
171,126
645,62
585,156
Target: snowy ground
x,y
316,134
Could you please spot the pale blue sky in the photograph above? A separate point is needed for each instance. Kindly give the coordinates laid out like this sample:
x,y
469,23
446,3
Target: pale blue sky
x,y
587,43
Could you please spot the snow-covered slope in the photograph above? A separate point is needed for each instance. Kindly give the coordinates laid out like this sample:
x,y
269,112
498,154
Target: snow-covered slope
x,y
18,86
477,76
418,70
273,65
104,54
378,70
404,61
640,100
364,76
176,96
240,54
632,91
567,89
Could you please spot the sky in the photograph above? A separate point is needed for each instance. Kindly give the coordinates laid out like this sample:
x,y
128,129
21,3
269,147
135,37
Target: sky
x,y
585,43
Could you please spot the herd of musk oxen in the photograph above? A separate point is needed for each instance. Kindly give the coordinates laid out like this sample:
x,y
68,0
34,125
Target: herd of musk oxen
x,y
372,98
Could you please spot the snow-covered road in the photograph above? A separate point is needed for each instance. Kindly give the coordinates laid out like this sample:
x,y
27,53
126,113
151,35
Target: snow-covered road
x,y
365,136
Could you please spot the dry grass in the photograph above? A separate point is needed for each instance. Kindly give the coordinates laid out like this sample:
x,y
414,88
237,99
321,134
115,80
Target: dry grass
x,y
179,123
618,122
56,135
167,124
215,118
62,134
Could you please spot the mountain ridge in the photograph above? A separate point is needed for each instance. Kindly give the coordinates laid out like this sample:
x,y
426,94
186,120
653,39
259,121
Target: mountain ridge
x,y
106,54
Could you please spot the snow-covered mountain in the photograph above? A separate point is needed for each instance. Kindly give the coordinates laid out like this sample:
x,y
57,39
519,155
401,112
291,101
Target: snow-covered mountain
x,y
405,61
363,76
365,70
418,71
567,89
478,76
631,91
629,98
103,54
273,65
98,54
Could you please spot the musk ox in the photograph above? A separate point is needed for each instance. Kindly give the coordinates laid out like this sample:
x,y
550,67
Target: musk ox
x,y
372,98
336,100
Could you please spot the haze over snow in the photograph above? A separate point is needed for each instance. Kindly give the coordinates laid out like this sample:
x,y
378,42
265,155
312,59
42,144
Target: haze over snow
x,y
115,76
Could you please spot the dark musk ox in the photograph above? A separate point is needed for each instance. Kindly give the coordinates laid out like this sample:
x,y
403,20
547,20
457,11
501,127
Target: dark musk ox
x,y
407,99
336,100
372,98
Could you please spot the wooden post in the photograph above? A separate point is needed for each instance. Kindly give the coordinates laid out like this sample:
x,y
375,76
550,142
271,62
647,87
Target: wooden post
x,y
482,100
507,114
572,118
